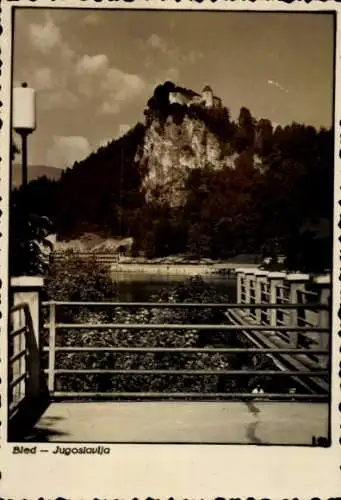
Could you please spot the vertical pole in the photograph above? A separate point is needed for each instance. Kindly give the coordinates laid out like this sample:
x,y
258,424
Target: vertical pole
x,y
253,293
240,285
297,283
16,365
24,136
260,279
324,285
249,276
23,359
275,279
52,346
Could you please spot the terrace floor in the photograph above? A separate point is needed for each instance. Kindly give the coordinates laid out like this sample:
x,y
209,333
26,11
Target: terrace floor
x,y
182,422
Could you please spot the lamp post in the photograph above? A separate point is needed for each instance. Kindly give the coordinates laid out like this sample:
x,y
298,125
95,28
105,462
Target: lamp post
x,y
24,120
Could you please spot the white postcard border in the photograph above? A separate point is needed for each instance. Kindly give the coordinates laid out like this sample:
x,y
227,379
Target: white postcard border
x,y
163,471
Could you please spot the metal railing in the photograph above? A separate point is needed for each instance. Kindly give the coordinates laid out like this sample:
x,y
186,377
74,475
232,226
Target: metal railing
x,y
109,257
18,353
313,372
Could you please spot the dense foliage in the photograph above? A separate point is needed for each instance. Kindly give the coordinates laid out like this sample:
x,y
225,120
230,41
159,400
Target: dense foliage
x,y
29,246
91,281
276,197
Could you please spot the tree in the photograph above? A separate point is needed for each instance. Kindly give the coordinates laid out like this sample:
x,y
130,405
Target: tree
x,y
29,247
263,137
245,135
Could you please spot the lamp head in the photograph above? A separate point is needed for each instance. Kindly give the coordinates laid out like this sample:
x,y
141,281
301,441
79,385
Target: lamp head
x,y
24,109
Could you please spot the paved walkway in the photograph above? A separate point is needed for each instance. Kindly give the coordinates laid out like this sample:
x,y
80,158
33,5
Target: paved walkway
x,y
183,422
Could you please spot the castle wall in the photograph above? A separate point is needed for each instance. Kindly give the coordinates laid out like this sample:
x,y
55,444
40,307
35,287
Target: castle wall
x,y
217,102
207,99
177,97
197,99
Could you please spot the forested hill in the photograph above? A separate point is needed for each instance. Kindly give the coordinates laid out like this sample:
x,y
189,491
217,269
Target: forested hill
x,y
192,180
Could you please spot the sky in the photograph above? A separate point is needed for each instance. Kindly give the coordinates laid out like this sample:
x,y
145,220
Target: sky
x,y
94,71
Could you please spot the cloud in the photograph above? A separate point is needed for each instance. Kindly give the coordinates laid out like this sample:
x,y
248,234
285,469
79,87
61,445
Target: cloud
x,y
69,79
110,86
119,87
171,74
193,56
59,98
117,78
156,42
44,37
92,64
43,79
54,62
65,150
158,47
66,53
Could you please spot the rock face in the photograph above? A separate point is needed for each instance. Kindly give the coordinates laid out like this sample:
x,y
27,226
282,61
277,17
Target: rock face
x,y
171,150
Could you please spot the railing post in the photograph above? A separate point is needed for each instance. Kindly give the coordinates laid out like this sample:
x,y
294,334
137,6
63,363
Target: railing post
x,y
26,290
261,278
297,282
275,279
240,284
323,284
249,283
52,346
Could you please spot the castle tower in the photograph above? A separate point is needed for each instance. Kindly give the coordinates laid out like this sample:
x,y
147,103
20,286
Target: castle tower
x,y
207,96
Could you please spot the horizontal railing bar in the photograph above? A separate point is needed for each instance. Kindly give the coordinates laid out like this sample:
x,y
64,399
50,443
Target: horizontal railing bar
x,y
168,326
16,381
18,355
303,373
17,332
191,350
184,305
237,395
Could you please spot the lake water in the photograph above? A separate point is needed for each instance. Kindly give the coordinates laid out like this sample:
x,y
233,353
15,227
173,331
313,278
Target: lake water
x,y
138,287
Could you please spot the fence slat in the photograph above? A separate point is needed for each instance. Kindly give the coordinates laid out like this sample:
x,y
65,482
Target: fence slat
x,y
18,355
52,345
16,381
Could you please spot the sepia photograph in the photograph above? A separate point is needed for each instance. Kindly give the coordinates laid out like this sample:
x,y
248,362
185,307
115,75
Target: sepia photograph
x,y
170,244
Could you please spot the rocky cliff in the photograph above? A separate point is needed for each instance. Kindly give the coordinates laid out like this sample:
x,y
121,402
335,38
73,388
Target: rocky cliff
x,y
177,140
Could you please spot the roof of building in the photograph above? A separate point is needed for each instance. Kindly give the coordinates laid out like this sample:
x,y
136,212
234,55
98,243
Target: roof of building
x,y
207,87
186,92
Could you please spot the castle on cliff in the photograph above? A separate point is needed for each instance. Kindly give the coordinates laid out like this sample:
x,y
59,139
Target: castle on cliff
x,y
187,97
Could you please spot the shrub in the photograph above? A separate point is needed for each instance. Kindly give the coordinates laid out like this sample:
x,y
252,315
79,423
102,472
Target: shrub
x,y
71,278
193,290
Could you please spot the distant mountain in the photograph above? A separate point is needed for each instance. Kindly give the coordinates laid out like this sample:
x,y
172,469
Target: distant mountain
x,y
34,172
